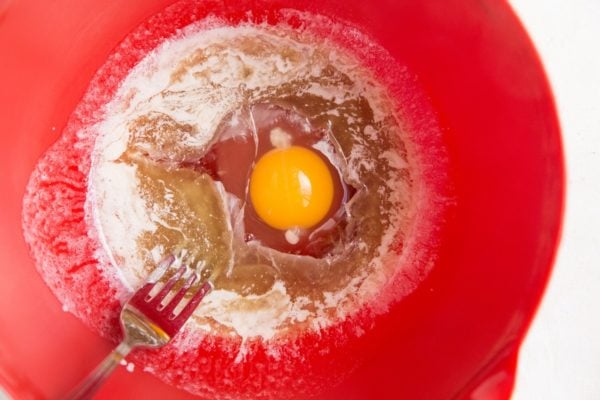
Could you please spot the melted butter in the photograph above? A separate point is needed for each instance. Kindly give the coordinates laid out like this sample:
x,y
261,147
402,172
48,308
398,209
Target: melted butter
x,y
188,213
193,214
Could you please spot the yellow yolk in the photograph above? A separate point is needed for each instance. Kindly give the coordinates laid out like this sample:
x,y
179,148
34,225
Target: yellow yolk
x,y
291,187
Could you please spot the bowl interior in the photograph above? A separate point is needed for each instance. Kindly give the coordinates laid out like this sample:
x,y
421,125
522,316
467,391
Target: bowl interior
x,y
463,324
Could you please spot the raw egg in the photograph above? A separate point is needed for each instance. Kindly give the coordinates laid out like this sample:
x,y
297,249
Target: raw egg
x,y
285,174
269,156
291,188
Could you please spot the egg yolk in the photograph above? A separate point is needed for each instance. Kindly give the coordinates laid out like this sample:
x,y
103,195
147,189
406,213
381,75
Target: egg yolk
x,y
291,187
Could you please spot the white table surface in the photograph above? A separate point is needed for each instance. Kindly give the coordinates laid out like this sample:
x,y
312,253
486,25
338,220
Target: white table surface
x,y
560,358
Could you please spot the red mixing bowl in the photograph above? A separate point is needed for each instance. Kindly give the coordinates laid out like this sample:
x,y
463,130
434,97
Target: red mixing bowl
x,y
457,336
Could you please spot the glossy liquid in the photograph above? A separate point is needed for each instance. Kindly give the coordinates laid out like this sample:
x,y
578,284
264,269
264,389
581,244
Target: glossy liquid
x,y
191,146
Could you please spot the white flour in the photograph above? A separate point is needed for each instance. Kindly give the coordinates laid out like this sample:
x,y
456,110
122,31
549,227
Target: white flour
x,y
201,96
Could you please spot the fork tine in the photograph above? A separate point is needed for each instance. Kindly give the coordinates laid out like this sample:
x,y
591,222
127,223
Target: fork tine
x,y
169,308
161,268
142,293
193,302
156,300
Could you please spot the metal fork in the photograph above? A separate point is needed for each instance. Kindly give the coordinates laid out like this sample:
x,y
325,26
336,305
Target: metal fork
x,y
146,321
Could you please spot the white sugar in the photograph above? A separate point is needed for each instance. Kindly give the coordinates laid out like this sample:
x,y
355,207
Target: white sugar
x,y
130,367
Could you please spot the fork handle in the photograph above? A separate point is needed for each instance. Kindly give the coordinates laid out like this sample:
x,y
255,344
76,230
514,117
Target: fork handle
x,y
90,385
